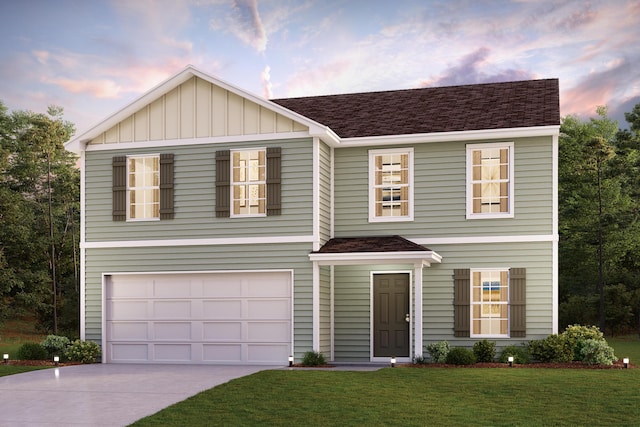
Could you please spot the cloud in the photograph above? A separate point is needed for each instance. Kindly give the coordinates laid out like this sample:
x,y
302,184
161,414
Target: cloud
x,y
97,88
265,78
246,24
469,71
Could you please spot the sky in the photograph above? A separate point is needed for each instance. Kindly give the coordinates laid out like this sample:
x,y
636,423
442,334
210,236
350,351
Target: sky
x,y
94,57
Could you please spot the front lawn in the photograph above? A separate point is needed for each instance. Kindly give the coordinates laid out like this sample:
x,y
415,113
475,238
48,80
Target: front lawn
x,y
411,396
14,369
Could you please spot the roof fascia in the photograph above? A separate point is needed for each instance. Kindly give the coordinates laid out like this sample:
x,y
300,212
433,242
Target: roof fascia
x,y
79,143
467,135
355,258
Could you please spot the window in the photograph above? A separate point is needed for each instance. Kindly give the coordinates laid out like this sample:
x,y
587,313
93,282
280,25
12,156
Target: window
x,y
490,180
490,302
143,187
391,185
249,182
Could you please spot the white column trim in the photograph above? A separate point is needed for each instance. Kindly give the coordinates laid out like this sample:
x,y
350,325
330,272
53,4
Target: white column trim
x,y
83,321
316,307
417,311
555,253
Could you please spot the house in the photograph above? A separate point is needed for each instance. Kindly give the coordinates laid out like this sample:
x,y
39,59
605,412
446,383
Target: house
x,y
221,227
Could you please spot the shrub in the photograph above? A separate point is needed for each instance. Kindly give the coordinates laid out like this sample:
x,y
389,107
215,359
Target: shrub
x,y
485,351
553,348
520,355
597,352
83,351
461,356
438,351
55,345
576,335
31,351
419,360
313,358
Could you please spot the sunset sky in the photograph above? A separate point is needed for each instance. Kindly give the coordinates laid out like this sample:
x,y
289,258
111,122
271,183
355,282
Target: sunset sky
x,y
93,57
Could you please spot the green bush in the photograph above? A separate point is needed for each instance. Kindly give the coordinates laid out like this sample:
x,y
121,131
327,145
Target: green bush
x,y
597,352
520,355
83,351
31,351
55,345
419,360
313,358
576,335
553,348
485,351
461,356
438,351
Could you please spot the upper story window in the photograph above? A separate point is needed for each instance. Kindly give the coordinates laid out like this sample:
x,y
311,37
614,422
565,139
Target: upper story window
x,y
490,180
249,182
391,185
490,303
143,187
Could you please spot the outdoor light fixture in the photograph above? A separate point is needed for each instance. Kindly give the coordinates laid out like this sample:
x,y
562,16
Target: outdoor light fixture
x,y
510,359
625,361
56,360
393,361
290,361
6,358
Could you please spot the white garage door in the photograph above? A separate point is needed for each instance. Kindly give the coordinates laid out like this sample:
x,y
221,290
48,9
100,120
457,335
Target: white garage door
x,y
242,318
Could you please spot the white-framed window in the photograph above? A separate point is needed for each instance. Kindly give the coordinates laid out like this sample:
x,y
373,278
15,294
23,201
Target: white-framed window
x,y
391,185
248,183
143,187
490,181
490,303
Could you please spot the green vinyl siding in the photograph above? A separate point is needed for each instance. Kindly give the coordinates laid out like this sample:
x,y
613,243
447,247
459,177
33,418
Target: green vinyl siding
x,y
204,258
325,311
325,193
194,196
440,193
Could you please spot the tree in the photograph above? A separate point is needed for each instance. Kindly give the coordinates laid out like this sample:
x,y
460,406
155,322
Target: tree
x,y
40,185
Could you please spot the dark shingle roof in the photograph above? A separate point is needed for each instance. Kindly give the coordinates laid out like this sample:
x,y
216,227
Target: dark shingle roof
x,y
439,109
370,244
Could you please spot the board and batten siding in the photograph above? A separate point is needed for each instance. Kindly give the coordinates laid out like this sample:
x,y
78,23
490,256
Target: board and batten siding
x,y
204,258
440,193
197,109
194,196
352,289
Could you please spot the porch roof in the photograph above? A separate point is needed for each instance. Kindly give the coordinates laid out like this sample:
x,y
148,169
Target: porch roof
x,y
373,250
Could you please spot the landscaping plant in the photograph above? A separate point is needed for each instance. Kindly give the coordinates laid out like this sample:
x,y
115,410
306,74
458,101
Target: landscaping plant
x,y
55,345
31,351
520,355
461,356
83,351
438,351
485,351
313,358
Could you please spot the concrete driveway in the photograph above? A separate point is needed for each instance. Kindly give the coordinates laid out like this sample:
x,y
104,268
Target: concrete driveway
x,y
105,394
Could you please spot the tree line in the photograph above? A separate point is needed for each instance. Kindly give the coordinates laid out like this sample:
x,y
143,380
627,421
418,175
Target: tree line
x,y
599,221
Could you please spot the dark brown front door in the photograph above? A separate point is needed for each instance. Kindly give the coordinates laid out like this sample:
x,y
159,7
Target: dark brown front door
x,y
390,314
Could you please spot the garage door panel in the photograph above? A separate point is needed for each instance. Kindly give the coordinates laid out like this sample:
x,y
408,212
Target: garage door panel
x,y
222,309
222,353
172,352
268,309
222,331
172,331
269,331
199,318
129,330
172,309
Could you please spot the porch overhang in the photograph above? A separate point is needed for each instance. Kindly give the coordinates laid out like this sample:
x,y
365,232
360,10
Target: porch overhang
x,y
374,250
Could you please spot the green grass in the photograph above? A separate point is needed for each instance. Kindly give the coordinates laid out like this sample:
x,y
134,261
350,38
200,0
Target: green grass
x,y
626,346
11,370
16,332
415,397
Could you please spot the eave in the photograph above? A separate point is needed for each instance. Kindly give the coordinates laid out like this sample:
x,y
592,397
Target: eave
x,y
426,258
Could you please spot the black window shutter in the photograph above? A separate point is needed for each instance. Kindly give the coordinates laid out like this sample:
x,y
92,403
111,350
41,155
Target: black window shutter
x,y
461,302
517,302
223,183
166,186
274,165
119,188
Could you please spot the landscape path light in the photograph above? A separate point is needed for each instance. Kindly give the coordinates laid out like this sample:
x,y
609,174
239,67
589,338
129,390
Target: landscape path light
x,y
56,360
5,357
626,362
510,359
393,361
290,361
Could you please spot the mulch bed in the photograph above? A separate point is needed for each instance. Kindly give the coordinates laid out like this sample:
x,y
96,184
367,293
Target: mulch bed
x,y
38,363
570,365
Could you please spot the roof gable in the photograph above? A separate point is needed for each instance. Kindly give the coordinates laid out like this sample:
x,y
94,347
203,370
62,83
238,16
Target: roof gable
x,y
489,106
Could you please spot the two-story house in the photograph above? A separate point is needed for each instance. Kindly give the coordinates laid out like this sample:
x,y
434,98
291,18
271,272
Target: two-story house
x,y
221,227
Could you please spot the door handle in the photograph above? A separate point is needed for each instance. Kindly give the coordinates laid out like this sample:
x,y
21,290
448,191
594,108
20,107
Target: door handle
x,y
407,318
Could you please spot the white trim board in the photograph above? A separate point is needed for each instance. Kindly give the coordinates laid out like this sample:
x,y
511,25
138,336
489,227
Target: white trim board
x,y
196,242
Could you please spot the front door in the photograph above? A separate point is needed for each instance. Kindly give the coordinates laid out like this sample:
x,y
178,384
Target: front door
x,y
391,315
